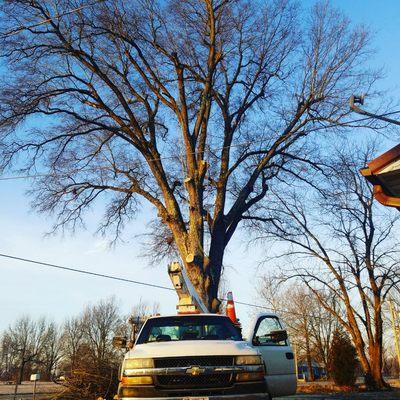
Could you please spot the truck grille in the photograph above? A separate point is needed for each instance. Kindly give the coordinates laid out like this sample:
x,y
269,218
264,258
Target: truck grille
x,y
200,381
221,380
201,361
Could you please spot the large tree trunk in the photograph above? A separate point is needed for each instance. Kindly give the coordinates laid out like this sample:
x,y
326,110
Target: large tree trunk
x,y
205,279
214,269
375,378
204,270
371,366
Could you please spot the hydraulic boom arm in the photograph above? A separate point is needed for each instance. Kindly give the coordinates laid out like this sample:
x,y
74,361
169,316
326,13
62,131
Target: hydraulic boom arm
x,y
189,300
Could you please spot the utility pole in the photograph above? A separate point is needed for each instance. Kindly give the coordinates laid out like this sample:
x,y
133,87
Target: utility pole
x,y
295,360
395,325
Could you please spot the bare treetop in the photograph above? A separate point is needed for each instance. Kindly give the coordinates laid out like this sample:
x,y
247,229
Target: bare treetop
x,y
193,106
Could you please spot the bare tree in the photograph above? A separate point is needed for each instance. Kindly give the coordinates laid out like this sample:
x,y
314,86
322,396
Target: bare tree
x,y
194,107
100,323
144,309
52,351
322,327
28,346
90,362
310,326
23,343
72,339
341,242
9,358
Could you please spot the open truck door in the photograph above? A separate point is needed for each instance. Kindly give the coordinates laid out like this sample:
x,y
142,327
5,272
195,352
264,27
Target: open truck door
x,y
269,337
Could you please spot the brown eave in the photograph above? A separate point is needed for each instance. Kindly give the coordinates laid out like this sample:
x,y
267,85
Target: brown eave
x,y
384,199
386,185
384,160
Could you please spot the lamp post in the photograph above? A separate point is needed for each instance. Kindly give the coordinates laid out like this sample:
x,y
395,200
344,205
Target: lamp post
x,y
295,360
395,326
354,100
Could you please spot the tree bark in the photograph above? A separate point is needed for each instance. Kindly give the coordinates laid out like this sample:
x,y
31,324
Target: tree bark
x,y
375,378
21,373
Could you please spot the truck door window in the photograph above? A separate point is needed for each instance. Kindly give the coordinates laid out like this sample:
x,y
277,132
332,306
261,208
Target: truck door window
x,y
264,329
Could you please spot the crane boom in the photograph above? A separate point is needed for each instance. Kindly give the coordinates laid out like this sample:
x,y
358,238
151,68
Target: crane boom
x,y
189,300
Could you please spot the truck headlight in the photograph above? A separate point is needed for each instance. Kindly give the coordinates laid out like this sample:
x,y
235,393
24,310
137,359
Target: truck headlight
x,y
250,376
132,364
248,360
136,380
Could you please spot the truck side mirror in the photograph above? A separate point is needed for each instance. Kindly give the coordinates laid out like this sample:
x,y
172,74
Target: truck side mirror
x,y
119,342
279,336
256,341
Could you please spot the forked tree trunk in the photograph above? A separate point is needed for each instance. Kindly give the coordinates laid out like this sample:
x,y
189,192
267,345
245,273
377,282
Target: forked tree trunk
x,y
204,270
375,378
371,366
205,279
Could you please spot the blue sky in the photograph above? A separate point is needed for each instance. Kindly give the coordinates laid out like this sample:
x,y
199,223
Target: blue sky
x,y
39,291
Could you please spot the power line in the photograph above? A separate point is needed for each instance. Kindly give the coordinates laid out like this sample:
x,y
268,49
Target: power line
x,y
117,278
20,177
81,271
41,175
19,29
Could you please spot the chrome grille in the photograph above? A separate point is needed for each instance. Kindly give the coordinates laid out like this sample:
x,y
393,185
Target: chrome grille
x,y
199,381
201,361
221,380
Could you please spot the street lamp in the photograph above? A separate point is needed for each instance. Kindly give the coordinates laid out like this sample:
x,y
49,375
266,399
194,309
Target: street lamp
x,y
384,171
354,100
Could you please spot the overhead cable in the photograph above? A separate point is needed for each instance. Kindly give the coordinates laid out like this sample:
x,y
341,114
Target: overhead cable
x,y
117,278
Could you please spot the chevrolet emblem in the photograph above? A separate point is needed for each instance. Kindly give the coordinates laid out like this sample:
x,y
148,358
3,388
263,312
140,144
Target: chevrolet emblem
x,y
195,371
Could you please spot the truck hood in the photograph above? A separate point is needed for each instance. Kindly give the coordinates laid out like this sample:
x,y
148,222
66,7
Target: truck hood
x,y
189,348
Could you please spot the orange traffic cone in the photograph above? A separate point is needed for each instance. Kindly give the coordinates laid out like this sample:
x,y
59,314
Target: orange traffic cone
x,y
230,309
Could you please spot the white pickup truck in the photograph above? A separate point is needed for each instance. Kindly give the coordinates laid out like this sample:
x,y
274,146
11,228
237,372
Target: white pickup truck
x,y
203,357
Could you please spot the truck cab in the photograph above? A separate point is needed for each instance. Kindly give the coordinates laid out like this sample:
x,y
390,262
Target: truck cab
x,y
204,357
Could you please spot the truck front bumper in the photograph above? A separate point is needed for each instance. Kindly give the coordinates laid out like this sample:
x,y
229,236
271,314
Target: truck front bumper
x,y
253,396
242,391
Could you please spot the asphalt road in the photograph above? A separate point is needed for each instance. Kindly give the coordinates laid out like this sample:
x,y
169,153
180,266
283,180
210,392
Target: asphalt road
x,y
24,396
25,392
350,396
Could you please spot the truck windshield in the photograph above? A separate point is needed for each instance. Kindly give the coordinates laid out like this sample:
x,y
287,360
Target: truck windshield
x,y
165,329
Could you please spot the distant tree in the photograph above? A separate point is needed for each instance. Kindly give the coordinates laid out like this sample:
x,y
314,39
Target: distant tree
x,y
342,360
51,353
100,322
90,362
195,107
22,348
81,350
8,366
88,380
27,342
310,326
72,339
